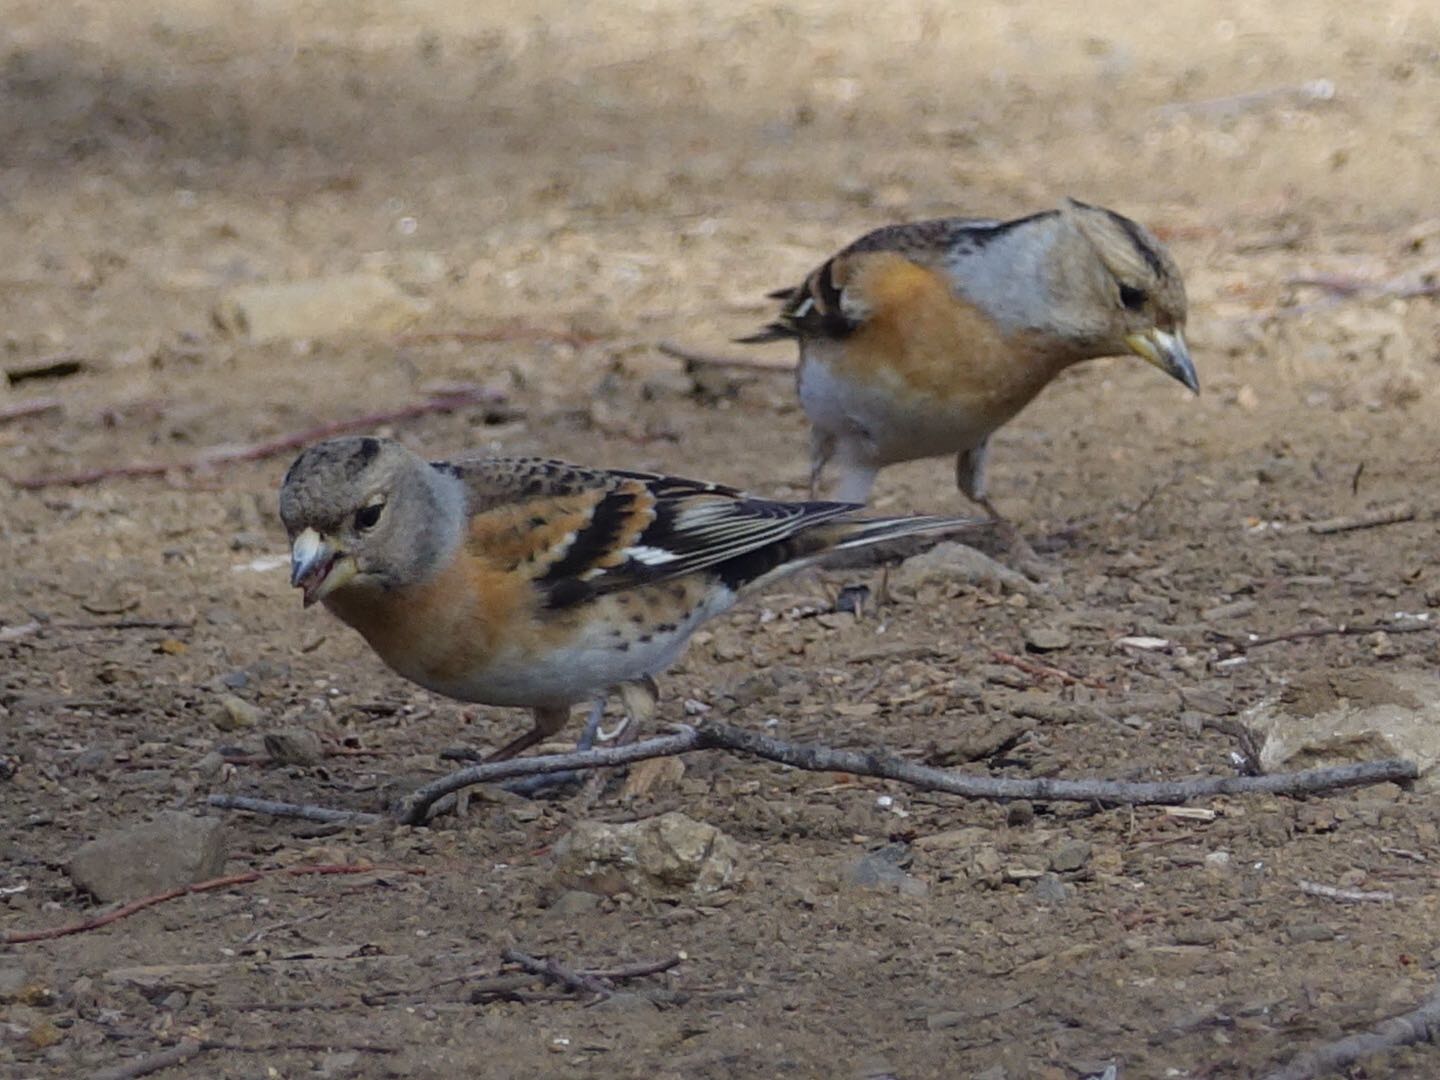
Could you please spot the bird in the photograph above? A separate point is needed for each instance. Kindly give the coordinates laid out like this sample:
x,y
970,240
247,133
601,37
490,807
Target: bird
x,y
921,340
536,583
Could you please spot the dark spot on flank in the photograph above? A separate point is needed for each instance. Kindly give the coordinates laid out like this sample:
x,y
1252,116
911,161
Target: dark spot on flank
x,y
534,487
666,628
536,521
678,592
645,638
446,467
624,646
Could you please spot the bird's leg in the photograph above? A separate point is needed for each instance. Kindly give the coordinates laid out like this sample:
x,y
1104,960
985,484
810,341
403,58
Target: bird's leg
x,y
531,786
640,698
549,719
822,448
970,478
856,480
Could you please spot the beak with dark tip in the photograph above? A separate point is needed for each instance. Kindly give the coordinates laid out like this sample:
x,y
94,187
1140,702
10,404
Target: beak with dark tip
x,y
316,567
1168,352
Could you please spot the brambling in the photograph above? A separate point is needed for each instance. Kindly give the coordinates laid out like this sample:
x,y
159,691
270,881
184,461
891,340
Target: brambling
x,y
922,340
527,582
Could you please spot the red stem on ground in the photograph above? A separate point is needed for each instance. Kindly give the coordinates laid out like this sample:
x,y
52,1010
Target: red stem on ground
x,y
18,937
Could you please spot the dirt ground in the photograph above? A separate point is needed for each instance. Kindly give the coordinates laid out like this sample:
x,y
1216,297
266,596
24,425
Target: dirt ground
x,y
561,188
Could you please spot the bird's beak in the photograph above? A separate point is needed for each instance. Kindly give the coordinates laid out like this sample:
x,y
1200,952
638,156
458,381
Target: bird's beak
x,y
318,568
1167,352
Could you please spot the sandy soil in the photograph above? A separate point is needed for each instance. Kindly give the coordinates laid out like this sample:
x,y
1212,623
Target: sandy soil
x,y
616,174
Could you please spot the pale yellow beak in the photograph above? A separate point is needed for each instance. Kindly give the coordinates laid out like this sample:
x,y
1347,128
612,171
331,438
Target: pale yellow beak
x,y
1166,351
317,567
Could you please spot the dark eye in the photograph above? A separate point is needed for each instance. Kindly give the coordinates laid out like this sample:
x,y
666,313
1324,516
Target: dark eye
x,y
1134,299
367,517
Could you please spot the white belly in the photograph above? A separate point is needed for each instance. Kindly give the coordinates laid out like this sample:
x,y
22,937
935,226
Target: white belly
x,y
878,424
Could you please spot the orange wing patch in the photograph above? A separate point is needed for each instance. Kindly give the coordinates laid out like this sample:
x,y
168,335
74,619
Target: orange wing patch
x,y
918,332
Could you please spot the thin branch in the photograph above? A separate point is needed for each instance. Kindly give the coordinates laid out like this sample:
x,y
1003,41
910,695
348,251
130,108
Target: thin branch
x,y
1421,1024
229,455
24,409
178,1054
1031,667
554,970
696,358
1344,285
17,937
512,332
1343,629
1390,515
1348,896
303,811
713,735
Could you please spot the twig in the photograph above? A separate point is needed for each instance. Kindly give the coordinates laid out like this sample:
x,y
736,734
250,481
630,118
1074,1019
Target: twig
x,y
258,451
1349,896
1031,667
713,735
695,358
1421,1024
178,1054
1304,95
23,409
186,1049
303,811
58,366
512,332
554,970
123,624
1392,515
1343,285
17,937
1344,629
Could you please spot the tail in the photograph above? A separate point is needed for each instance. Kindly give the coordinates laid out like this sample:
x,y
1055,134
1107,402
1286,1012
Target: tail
x,y
809,545
862,532
778,330
775,331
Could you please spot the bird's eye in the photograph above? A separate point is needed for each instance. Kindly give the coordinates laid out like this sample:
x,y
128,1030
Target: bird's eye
x,y
1132,298
367,517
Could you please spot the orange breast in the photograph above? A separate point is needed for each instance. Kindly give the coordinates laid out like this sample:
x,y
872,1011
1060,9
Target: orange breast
x,y
921,338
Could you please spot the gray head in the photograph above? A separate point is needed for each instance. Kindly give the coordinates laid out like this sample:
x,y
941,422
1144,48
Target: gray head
x,y
365,513
1117,290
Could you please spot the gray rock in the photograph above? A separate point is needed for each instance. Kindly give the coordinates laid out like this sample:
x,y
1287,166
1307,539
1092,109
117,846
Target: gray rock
x,y
952,563
666,856
883,869
236,714
1047,638
294,746
1049,889
1070,856
172,851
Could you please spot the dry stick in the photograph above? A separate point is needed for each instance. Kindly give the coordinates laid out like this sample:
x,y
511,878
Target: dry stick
x,y
1349,896
505,333
230,455
304,811
713,735
1031,667
1421,1024
178,1054
1343,285
1333,631
24,409
553,969
1391,515
704,359
17,937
